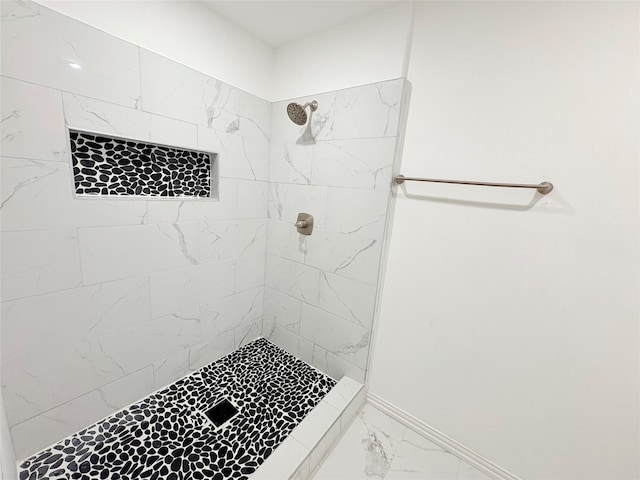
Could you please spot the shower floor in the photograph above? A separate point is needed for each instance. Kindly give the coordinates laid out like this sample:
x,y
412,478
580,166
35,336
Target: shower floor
x,y
167,435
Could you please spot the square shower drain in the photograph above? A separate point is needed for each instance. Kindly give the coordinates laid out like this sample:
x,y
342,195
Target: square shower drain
x,y
221,413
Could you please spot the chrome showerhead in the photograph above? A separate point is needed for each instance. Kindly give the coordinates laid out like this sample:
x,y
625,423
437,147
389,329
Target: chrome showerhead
x,y
297,112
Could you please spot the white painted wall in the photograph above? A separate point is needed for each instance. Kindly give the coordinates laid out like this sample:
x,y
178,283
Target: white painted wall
x,y
514,330
367,50
187,32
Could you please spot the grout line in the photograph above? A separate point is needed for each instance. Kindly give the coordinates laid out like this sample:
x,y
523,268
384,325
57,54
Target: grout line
x,y
375,285
140,78
44,413
126,106
151,317
79,255
84,286
320,141
48,160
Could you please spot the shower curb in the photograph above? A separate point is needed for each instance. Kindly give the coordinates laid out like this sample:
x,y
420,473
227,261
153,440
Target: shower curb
x,y
464,453
302,452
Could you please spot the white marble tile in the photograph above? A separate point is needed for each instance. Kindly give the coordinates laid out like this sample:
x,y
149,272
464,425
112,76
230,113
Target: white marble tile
x,y
127,390
350,413
289,341
374,417
223,239
355,256
467,472
239,157
250,269
284,240
252,199
360,112
294,279
337,335
163,211
35,383
168,131
43,430
364,164
174,90
39,261
148,342
35,194
110,253
39,432
334,366
72,316
417,457
230,312
303,472
247,333
367,111
366,450
343,393
206,352
351,210
172,368
38,195
175,290
283,462
323,447
190,359
287,200
92,212
84,113
281,309
51,41
177,211
346,298
32,122
290,163
314,426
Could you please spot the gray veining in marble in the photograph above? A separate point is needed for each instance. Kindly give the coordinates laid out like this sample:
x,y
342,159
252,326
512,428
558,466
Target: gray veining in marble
x,y
376,447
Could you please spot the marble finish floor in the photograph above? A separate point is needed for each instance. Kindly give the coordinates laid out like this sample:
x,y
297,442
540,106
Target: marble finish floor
x,y
376,447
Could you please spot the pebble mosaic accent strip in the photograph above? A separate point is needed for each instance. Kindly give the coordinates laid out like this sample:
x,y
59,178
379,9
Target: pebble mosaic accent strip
x,y
166,436
110,166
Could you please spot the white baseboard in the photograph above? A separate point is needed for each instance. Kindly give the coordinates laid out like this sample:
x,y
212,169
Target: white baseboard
x,y
465,454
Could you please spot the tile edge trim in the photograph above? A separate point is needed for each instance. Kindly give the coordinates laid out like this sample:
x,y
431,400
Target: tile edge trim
x,y
275,468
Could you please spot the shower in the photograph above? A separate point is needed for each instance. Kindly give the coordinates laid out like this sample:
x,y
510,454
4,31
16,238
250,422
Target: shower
x,y
297,112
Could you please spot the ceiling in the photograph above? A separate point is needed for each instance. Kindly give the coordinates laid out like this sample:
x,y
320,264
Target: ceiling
x,y
279,22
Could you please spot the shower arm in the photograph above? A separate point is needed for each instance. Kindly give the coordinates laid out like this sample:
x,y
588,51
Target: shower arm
x,y
313,105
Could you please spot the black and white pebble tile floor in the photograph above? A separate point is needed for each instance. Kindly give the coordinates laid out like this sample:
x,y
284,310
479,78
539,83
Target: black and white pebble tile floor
x,y
110,166
166,435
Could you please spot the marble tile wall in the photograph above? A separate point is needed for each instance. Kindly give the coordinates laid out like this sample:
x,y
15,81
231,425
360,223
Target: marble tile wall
x,y
321,289
102,295
104,301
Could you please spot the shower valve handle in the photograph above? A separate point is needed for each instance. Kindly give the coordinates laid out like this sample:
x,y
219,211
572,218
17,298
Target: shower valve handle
x,y
304,225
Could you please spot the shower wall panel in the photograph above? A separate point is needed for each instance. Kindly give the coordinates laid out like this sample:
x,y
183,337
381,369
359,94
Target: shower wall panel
x,y
321,289
106,300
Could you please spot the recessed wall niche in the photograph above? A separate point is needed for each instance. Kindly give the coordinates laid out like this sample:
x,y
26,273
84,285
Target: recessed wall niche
x,y
104,165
